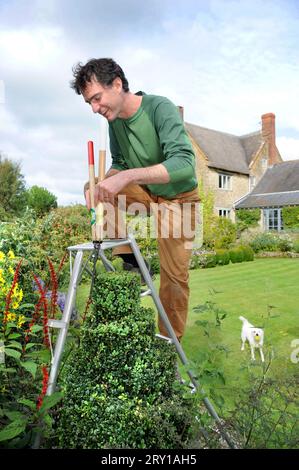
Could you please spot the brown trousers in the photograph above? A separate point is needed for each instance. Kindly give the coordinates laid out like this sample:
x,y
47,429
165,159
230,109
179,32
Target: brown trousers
x,y
174,245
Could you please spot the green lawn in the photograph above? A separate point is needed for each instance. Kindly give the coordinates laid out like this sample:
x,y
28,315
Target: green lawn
x,y
265,292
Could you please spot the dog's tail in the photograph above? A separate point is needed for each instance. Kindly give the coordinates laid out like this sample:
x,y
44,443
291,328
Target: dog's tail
x,y
243,319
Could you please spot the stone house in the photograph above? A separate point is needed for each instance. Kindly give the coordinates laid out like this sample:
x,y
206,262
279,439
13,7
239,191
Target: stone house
x,y
278,188
231,166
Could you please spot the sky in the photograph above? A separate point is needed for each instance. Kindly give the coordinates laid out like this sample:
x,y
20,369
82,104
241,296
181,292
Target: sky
x,y
226,62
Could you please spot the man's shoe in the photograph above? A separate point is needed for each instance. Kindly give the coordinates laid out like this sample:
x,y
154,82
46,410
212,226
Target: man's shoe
x,y
136,269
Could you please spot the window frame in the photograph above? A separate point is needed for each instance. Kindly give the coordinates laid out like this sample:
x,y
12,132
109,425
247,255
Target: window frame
x,y
221,178
227,211
273,219
252,185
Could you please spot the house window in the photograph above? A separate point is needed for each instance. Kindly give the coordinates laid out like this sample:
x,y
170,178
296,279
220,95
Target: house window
x,y
273,219
264,163
225,181
224,213
252,182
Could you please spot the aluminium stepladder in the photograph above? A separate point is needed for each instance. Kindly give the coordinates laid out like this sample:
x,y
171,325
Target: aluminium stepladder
x,y
97,249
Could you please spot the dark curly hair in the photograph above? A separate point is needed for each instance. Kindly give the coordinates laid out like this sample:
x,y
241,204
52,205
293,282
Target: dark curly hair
x,y
104,70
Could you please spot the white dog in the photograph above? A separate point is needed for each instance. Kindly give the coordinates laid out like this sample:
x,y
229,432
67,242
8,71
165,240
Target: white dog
x,y
254,336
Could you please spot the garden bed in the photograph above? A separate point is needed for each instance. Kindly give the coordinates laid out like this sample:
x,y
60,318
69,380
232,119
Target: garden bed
x,y
276,254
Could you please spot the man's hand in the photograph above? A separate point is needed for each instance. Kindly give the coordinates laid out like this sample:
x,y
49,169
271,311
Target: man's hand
x,y
106,190
110,173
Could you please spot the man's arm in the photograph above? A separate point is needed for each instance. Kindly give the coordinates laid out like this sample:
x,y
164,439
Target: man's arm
x,y
107,189
111,172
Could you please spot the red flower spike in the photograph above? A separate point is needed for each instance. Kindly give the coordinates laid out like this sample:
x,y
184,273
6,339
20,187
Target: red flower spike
x,y
44,387
54,288
62,263
43,300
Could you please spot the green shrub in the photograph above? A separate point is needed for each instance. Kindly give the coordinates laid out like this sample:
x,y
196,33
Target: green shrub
x,y
154,262
194,262
285,244
296,246
35,239
219,233
117,263
40,200
290,217
222,257
265,242
199,260
247,218
236,255
26,356
119,385
209,261
265,414
247,252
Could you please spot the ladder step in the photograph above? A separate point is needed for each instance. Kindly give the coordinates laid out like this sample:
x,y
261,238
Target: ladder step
x,y
164,338
145,293
57,323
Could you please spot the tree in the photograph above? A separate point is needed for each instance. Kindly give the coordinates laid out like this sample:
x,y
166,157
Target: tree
x,y
41,200
12,188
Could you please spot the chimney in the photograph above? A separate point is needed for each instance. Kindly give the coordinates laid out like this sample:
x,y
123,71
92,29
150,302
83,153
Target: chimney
x,y
268,132
181,111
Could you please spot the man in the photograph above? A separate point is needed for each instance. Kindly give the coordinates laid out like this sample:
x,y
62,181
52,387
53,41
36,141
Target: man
x,y
152,163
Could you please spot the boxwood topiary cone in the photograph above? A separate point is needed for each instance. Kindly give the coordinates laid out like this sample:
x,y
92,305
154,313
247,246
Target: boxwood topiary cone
x,y
119,385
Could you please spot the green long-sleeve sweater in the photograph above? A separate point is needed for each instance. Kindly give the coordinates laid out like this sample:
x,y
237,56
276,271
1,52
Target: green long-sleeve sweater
x,y
155,134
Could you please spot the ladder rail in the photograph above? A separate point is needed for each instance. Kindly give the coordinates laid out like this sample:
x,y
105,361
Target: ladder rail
x,y
64,324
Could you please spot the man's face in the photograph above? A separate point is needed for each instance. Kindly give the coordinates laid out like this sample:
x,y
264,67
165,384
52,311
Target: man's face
x,y
104,100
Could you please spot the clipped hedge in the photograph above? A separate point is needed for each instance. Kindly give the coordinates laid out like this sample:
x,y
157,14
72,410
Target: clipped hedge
x,y
247,252
236,255
120,389
222,257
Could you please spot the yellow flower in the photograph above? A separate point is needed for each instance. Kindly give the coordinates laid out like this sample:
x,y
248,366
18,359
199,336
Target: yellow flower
x,y
11,254
15,305
2,256
11,316
11,270
15,290
20,295
21,321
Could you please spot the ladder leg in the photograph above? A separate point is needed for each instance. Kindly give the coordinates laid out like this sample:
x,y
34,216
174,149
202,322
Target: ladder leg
x,y
70,300
171,333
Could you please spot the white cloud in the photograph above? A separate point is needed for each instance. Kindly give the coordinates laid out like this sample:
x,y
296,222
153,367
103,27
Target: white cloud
x,y
8,121
225,62
288,148
30,50
2,92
